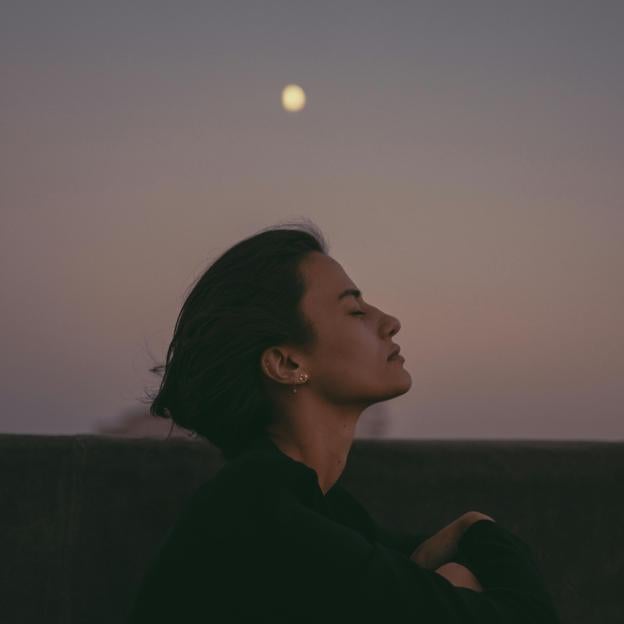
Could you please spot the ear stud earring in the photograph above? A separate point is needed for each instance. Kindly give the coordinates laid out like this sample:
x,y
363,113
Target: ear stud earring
x,y
303,377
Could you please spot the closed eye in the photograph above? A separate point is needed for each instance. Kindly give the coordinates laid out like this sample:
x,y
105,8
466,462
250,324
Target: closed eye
x,y
357,313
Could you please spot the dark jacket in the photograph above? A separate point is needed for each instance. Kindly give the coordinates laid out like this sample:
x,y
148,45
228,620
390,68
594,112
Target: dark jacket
x,y
259,542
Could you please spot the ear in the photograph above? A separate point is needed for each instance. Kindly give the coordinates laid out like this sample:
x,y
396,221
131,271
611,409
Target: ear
x,y
276,364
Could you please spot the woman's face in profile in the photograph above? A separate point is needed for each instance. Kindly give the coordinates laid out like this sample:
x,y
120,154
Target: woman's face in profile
x,y
349,363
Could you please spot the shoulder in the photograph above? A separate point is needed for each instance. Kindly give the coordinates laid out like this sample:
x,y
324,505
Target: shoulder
x,y
250,485
227,521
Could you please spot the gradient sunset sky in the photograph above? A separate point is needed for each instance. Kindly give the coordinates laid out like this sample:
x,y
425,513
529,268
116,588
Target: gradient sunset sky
x,y
464,160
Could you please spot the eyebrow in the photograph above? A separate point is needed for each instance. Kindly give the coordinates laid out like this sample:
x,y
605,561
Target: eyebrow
x,y
350,291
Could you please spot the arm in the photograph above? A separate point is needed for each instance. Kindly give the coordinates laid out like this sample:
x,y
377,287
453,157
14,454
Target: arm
x,y
403,541
318,562
459,576
429,550
441,547
351,512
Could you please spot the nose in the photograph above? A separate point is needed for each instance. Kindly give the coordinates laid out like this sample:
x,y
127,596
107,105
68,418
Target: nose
x,y
395,325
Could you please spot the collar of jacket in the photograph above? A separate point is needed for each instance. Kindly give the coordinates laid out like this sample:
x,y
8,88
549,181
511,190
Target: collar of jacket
x,y
305,478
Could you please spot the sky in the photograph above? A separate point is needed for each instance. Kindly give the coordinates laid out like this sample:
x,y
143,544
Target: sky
x,y
464,161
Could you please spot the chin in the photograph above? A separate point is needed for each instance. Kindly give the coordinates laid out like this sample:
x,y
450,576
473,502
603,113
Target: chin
x,y
406,389
398,387
405,384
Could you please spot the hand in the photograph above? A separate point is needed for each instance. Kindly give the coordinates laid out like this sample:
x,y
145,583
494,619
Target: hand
x,y
459,576
470,517
441,547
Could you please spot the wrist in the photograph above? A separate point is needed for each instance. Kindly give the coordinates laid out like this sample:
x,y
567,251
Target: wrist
x,y
441,547
470,517
459,576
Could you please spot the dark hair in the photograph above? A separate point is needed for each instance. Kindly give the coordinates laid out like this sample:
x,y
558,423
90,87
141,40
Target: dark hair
x,y
246,301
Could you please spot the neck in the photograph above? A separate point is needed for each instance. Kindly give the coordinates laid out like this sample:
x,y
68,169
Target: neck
x,y
318,439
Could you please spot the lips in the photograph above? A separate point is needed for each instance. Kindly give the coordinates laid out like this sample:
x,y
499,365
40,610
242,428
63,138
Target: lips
x,y
394,352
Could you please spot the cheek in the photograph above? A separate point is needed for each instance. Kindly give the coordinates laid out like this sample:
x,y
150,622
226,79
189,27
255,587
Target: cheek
x,y
360,346
363,354
344,359
352,345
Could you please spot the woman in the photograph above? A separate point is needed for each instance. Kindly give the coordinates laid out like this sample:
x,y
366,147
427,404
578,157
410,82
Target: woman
x,y
274,357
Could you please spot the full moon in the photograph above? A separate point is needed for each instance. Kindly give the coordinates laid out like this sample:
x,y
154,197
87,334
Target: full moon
x,y
293,97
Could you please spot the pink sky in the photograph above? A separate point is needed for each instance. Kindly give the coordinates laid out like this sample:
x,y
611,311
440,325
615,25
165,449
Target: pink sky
x,y
465,165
